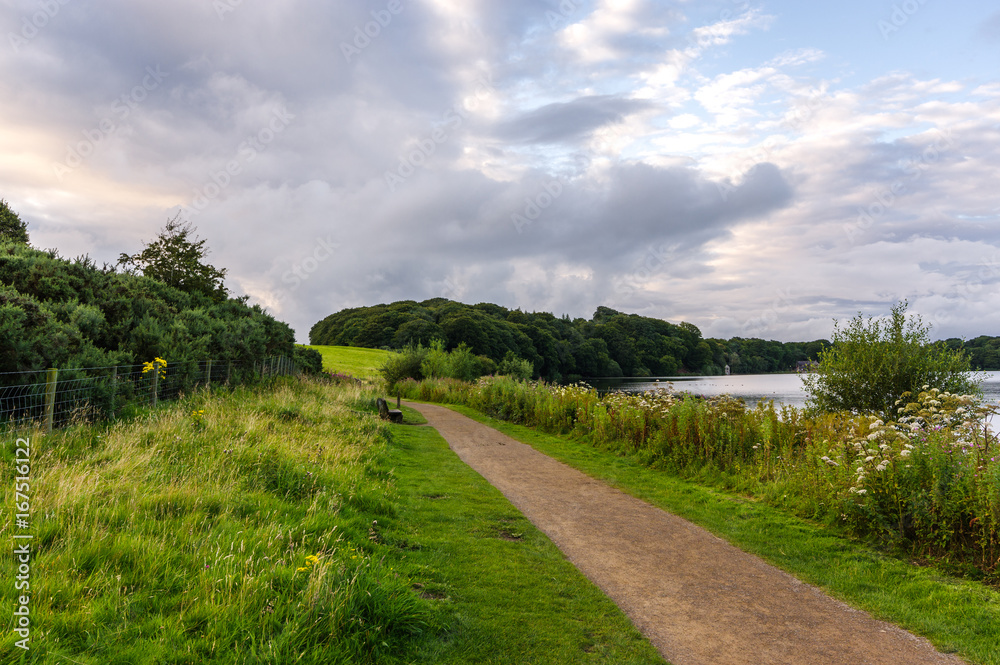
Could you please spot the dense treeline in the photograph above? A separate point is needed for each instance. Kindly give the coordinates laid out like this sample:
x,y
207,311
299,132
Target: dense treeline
x,y
984,351
560,348
64,313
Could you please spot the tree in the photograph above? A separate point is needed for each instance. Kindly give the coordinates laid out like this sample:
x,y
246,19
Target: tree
x,y
874,361
12,229
176,259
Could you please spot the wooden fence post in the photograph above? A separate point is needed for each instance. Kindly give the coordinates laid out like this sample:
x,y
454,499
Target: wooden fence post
x,y
51,377
156,383
208,374
114,390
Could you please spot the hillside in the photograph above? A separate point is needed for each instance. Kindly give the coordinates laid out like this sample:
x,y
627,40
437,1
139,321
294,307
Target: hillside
x,y
611,343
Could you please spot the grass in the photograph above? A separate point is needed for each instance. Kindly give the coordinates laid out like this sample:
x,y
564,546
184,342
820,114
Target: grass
x,y
186,536
512,596
927,485
268,526
352,360
957,616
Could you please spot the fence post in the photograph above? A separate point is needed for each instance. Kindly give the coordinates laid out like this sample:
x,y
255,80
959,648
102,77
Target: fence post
x,y
156,383
51,377
229,371
208,374
114,390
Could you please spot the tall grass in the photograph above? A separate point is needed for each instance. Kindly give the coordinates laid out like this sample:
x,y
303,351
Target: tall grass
x,y
235,529
928,483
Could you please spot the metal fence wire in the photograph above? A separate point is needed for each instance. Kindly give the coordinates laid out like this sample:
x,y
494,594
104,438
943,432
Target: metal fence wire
x,y
56,398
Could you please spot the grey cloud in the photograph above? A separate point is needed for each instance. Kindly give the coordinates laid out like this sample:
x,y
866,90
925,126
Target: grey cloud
x,y
569,121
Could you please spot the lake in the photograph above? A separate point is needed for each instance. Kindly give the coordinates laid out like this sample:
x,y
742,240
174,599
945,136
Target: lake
x,y
751,388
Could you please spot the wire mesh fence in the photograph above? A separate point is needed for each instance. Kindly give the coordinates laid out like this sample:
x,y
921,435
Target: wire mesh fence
x,y
55,398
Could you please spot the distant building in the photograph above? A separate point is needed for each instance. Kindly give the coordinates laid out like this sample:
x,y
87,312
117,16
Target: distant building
x,y
727,370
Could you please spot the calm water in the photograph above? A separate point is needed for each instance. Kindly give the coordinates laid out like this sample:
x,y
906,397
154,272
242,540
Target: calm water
x,y
782,388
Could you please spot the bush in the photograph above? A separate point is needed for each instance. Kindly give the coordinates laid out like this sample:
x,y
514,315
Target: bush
x,y
874,361
12,228
309,360
515,367
405,365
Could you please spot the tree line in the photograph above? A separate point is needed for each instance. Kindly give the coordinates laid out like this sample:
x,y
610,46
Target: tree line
x,y
609,344
164,301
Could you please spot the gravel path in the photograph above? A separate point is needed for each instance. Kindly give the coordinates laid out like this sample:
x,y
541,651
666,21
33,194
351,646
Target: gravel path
x,y
700,600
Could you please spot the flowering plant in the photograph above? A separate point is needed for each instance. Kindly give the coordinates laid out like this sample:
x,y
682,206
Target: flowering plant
x,y
158,365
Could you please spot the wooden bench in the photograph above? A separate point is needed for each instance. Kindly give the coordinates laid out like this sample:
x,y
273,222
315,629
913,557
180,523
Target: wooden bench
x,y
385,413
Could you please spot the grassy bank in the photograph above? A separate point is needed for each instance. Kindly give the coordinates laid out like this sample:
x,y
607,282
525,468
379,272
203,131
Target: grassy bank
x,y
927,484
351,360
958,616
268,526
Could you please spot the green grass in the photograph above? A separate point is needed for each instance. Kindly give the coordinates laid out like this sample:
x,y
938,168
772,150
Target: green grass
x,y
957,616
356,361
268,526
511,595
183,537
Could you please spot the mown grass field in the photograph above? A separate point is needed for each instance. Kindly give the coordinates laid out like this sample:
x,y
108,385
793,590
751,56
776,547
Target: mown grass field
x,y
288,525
356,361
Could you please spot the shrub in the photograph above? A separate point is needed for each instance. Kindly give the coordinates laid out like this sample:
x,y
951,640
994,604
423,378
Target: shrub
x,y
309,360
516,367
405,365
12,227
874,361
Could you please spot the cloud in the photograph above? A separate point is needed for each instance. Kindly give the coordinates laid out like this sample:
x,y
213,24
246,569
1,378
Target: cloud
x,y
569,121
658,157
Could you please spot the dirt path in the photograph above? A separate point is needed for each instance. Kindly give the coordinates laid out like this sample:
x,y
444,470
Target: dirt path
x,y
697,598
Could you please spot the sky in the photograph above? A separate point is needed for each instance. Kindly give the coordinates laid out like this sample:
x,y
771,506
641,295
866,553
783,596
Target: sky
x,y
756,168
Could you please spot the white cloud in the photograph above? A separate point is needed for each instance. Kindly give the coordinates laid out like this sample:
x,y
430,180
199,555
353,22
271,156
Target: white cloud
x,y
747,172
